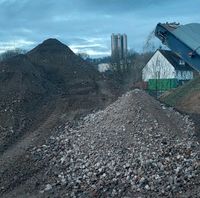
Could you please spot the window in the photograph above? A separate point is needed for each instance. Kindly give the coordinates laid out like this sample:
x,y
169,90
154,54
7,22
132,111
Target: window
x,y
181,62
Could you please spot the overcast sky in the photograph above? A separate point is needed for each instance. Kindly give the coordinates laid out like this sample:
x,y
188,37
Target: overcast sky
x,y
86,25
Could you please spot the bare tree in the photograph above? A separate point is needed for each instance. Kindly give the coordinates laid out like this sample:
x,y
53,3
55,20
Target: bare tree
x,y
83,55
11,53
158,70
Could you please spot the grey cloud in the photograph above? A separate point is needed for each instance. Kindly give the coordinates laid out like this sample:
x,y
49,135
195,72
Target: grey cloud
x,y
77,22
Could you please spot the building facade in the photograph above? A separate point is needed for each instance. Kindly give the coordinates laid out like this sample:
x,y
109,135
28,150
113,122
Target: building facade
x,y
165,64
166,70
119,47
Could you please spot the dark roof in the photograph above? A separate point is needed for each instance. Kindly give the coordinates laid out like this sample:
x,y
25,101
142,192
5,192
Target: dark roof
x,y
190,35
174,59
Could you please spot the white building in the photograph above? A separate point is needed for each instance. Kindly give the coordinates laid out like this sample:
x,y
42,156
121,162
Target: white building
x,y
103,67
165,64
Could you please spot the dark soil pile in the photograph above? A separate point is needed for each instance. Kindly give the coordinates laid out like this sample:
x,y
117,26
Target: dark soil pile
x,y
47,81
71,73
23,92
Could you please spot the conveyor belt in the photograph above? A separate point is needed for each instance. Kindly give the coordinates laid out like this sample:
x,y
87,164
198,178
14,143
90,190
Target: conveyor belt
x,y
183,40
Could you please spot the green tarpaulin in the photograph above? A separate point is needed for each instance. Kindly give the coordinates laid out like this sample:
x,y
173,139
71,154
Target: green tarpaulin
x,y
162,84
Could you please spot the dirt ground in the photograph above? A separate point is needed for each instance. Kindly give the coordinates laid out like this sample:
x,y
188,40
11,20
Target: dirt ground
x,y
135,147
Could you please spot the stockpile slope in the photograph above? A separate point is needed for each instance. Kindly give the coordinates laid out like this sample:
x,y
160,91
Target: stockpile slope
x,y
48,81
185,98
78,81
23,91
136,147
74,75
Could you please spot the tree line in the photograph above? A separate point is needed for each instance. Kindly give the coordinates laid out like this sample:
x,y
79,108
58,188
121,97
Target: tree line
x,y
10,53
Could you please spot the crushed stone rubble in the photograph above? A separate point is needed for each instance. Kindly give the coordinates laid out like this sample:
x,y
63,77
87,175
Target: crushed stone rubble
x,y
134,147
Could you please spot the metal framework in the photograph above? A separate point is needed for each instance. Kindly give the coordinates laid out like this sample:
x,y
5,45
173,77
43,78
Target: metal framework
x,y
183,40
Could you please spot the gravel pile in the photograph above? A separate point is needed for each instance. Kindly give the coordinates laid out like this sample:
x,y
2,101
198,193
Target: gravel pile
x,y
136,147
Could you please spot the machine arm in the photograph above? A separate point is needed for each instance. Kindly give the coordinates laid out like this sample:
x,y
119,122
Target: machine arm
x,y
183,40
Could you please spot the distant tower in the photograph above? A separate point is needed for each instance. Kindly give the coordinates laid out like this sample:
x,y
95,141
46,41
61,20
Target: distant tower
x,y
125,47
114,45
119,47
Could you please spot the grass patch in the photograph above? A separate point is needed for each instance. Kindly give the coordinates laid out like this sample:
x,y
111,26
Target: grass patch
x,y
178,94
